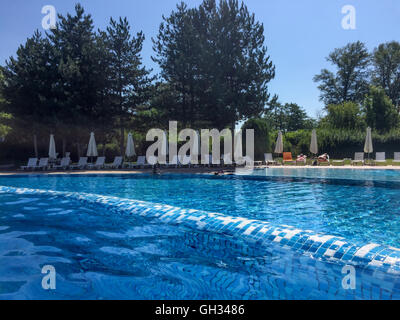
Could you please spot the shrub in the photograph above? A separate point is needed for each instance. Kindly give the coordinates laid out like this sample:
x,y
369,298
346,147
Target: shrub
x,y
261,137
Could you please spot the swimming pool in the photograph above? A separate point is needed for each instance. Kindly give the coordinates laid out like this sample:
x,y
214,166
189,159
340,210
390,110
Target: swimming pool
x,y
101,248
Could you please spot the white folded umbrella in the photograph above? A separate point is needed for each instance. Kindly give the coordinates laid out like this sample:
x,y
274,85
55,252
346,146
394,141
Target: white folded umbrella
x,y
314,143
130,147
92,148
279,143
52,148
164,147
238,146
368,147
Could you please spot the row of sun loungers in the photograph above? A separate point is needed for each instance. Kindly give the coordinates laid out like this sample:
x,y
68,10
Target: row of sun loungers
x,y
65,163
359,159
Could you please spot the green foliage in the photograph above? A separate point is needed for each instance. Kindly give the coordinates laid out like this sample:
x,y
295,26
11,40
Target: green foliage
x,y
386,72
347,115
128,81
214,58
350,82
380,112
339,143
74,78
261,136
288,117
28,81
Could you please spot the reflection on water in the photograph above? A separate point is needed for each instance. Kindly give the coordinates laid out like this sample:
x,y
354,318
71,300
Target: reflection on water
x,y
99,254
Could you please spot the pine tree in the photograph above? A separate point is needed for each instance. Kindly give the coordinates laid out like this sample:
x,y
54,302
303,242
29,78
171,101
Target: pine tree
x,y
128,80
214,59
350,82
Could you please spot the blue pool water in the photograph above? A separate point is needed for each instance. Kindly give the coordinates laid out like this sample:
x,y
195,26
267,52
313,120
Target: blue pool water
x,y
102,255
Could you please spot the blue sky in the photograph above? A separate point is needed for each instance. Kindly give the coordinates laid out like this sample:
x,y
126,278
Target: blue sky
x,y
299,34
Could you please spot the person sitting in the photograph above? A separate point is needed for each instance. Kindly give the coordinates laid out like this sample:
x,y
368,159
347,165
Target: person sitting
x,y
323,158
301,158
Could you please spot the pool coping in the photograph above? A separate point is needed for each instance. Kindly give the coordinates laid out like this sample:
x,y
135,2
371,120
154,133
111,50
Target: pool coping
x,y
319,246
205,170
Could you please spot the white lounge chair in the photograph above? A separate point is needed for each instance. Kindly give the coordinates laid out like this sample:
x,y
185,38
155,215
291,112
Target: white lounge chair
x,y
32,162
186,161
337,162
358,158
152,159
99,164
141,163
174,162
396,157
43,164
65,162
214,162
380,157
116,164
302,160
82,163
227,160
206,160
269,159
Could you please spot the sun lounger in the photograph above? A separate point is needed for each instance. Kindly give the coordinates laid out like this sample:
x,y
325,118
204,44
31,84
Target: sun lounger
x,y
116,164
269,159
173,163
32,162
141,163
152,161
337,162
205,159
43,164
227,160
358,158
81,164
380,157
287,157
396,157
186,161
301,160
323,159
65,162
191,164
99,164
211,163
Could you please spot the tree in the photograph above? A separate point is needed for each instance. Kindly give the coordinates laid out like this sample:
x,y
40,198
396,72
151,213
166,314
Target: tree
x,y
177,48
288,117
4,117
261,136
347,115
215,59
240,66
386,72
128,80
28,83
350,82
79,59
380,112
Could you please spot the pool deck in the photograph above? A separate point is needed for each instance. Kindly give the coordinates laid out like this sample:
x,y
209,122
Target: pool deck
x,y
198,170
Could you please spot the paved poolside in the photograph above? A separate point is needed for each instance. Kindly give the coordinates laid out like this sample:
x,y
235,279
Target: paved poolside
x,y
200,170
